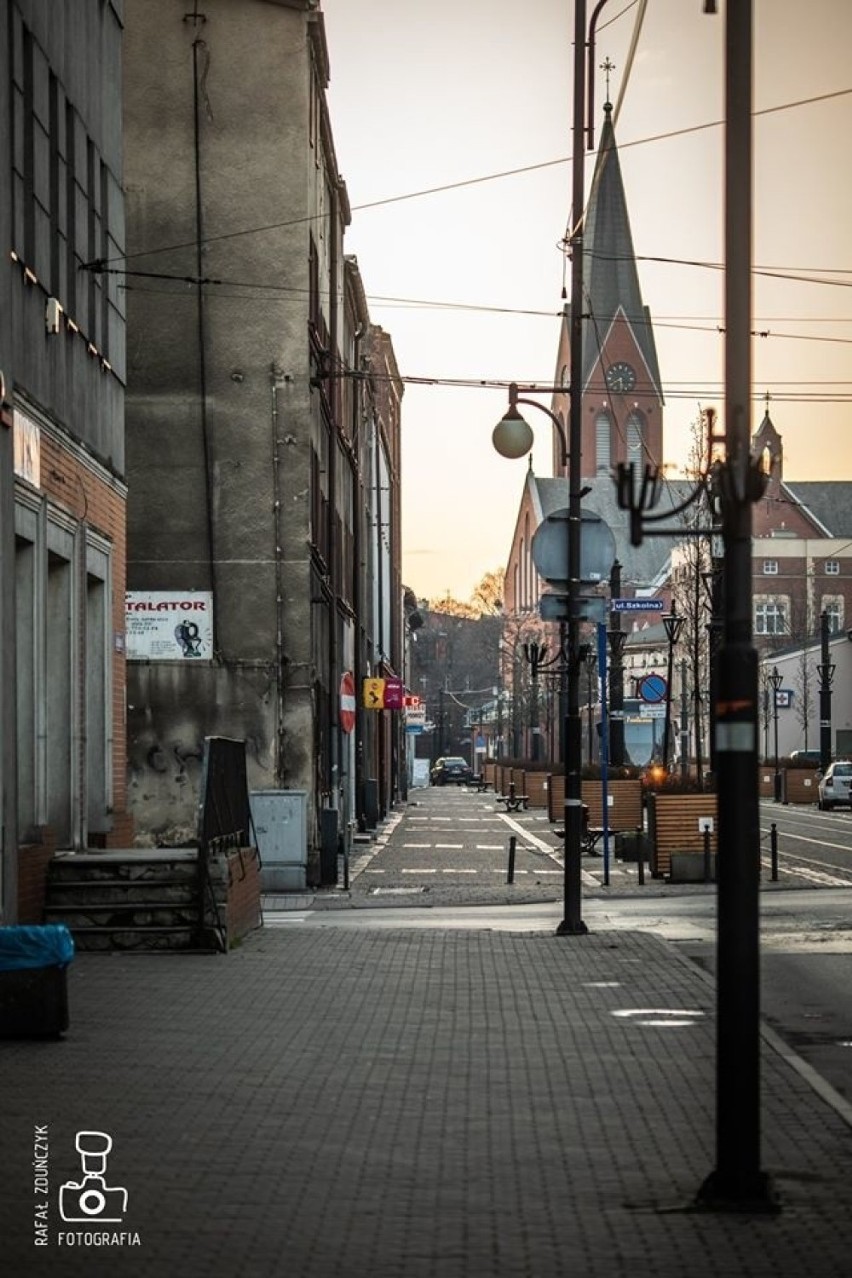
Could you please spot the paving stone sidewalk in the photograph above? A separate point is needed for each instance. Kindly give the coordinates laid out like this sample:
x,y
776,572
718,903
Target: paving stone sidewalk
x,y
426,1104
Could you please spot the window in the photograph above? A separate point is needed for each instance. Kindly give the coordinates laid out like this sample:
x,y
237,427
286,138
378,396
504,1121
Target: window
x,y
602,443
770,567
770,618
833,606
635,441
832,567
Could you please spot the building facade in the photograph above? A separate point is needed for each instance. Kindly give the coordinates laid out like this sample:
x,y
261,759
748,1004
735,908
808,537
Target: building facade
x,y
263,419
62,462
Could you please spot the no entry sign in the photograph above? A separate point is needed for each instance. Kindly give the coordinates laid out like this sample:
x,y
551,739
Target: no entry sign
x,y
347,702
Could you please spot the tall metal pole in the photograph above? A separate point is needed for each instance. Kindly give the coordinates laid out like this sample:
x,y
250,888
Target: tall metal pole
x,y
616,675
826,673
572,922
684,723
667,722
737,1181
777,781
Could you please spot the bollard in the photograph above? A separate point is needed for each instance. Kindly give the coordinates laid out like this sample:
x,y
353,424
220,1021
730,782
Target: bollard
x,y
708,873
773,845
512,842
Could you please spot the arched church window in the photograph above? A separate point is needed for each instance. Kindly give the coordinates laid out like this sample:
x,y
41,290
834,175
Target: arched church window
x,y
603,442
635,440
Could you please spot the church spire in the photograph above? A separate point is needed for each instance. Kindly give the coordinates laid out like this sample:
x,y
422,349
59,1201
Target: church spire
x,y
610,278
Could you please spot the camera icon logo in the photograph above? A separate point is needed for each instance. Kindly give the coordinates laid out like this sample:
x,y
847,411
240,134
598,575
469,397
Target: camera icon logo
x,y
92,1199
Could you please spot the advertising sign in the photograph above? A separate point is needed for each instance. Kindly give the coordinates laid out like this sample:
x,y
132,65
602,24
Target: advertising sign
x,y
169,625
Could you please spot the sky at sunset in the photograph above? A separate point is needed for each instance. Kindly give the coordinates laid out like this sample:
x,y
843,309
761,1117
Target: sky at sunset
x,y
468,280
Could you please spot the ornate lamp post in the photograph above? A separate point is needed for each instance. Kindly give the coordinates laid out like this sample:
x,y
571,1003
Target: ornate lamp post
x,y
513,438
825,670
775,681
616,639
673,624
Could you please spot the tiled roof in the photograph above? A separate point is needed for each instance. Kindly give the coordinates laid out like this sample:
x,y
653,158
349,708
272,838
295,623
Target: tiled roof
x,y
829,500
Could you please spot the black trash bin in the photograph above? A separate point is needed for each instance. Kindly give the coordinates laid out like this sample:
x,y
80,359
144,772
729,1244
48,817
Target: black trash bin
x,y
34,980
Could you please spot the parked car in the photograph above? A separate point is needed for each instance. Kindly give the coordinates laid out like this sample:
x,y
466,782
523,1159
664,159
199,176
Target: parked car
x,y
806,757
836,786
451,769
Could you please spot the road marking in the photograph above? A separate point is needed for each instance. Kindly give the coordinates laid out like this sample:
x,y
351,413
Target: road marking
x,y
813,876
822,843
554,854
490,847
459,871
368,871
426,871
456,847
417,845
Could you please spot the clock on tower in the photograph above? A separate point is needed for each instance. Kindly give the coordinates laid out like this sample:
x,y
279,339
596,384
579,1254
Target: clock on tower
x,y
621,377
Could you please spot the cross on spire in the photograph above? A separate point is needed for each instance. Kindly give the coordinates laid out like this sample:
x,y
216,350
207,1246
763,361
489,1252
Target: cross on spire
x,y
606,67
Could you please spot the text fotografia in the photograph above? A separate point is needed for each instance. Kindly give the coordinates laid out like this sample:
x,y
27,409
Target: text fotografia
x,y
98,1238
41,1184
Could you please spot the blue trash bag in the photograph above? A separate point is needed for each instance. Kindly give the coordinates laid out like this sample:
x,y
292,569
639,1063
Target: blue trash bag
x,y
51,945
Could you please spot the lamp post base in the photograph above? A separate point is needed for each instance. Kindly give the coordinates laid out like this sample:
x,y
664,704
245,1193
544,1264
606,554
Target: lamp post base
x,y
567,928
748,1194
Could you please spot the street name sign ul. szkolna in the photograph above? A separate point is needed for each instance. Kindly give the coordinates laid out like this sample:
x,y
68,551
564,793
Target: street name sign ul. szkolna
x,y
637,605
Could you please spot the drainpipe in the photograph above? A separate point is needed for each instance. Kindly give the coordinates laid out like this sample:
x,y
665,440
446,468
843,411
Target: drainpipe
x,y
276,378
334,584
199,46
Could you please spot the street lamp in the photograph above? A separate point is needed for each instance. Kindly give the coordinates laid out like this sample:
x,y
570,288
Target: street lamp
x,y
825,670
535,653
775,680
513,438
673,624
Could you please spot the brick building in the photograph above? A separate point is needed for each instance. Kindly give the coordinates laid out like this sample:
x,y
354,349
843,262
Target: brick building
x,y
62,481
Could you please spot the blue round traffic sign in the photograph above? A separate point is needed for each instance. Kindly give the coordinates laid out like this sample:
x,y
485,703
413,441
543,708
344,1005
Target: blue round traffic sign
x,y
652,689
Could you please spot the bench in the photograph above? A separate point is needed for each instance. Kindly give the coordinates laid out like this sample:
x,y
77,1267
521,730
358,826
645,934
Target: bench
x,y
479,783
514,802
591,837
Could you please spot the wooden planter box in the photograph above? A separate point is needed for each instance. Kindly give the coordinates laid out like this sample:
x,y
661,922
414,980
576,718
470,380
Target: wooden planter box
x,y
535,786
624,804
799,785
766,781
556,796
673,826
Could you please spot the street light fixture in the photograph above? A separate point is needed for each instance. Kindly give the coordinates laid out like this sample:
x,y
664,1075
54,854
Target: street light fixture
x,y
776,680
513,438
673,624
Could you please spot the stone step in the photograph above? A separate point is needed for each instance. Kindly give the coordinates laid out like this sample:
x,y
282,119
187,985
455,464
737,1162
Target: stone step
x,y
129,937
101,907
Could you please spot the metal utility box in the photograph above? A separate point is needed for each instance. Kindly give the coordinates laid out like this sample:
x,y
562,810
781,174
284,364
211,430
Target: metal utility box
x,y
280,823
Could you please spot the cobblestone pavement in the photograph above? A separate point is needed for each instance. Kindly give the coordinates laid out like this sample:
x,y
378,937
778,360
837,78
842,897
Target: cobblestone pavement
x,y
421,1104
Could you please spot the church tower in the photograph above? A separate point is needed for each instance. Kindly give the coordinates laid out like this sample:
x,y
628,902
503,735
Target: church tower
x,y
622,395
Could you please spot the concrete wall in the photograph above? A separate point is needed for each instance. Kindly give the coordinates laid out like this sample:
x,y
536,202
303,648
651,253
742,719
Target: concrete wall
x,y
225,131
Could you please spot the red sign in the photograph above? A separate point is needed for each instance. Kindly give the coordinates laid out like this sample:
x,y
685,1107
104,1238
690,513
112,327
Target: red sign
x,y
394,693
347,702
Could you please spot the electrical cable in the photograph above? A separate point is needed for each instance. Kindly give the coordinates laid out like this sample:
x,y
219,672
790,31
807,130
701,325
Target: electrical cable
x,y
453,186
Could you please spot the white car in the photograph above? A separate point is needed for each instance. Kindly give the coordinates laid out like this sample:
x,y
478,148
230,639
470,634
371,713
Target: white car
x,y
836,785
